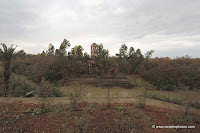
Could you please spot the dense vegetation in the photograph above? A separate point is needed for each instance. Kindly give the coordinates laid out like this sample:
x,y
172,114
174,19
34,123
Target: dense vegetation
x,y
58,66
170,74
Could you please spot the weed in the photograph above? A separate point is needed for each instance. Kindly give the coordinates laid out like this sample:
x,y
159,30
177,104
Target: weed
x,y
109,99
44,92
38,111
120,108
82,121
134,122
75,96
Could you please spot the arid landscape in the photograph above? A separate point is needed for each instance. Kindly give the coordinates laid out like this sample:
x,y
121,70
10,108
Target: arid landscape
x,y
97,66
100,95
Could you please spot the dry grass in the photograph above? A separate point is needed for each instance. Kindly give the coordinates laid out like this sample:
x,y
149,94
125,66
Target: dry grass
x,y
92,91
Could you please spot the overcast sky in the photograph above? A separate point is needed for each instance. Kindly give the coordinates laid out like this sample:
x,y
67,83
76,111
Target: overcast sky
x,y
170,27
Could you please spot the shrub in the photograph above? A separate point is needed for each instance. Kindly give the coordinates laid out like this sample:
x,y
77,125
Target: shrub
x,y
168,74
127,85
44,92
20,85
142,94
82,121
109,98
136,121
75,95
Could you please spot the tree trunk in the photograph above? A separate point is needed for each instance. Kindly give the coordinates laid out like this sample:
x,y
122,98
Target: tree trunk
x,y
6,77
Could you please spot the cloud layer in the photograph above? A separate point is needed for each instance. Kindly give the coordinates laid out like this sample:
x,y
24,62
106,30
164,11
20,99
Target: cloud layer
x,y
169,27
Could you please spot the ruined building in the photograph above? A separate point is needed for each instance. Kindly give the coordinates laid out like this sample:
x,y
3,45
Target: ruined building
x,y
94,50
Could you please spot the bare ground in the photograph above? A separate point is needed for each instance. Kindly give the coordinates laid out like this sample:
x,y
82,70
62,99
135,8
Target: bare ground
x,y
102,100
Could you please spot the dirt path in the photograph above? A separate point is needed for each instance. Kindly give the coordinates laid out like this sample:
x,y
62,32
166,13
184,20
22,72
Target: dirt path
x,y
102,100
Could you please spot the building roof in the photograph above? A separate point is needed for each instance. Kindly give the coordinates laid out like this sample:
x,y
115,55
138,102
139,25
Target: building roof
x,y
95,44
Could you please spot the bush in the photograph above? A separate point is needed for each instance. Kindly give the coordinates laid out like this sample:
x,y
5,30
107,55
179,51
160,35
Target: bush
x,y
57,70
20,85
75,96
168,74
127,85
136,121
44,92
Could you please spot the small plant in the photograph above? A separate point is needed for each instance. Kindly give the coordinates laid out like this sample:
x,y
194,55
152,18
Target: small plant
x,y
120,108
75,96
29,110
134,122
44,93
109,99
142,95
127,85
17,117
187,99
182,119
136,106
38,111
82,121
91,108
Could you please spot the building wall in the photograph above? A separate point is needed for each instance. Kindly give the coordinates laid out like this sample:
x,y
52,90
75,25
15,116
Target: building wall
x,y
75,49
94,50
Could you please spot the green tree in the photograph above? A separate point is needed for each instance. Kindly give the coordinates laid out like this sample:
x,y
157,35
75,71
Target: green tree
x,y
6,56
138,60
51,50
105,53
104,65
21,54
102,53
44,92
123,51
139,54
79,52
70,55
86,57
131,52
62,50
148,54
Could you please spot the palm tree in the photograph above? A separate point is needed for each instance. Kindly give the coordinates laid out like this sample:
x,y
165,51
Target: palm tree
x,y
6,57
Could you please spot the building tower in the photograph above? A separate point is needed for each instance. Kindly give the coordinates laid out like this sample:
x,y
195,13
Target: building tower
x,y
94,50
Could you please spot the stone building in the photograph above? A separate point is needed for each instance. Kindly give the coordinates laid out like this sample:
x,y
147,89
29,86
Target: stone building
x,y
94,50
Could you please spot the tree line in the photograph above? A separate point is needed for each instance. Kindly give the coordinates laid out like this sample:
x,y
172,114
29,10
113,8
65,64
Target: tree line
x,y
58,66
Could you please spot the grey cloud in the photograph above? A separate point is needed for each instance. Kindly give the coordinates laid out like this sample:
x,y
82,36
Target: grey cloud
x,y
112,23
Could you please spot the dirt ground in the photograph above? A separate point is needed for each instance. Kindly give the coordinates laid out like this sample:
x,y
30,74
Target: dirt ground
x,y
88,117
102,100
